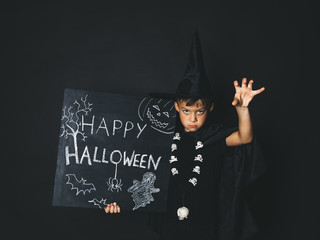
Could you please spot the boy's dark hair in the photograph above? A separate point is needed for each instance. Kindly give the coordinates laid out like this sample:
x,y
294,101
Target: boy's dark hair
x,y
207,103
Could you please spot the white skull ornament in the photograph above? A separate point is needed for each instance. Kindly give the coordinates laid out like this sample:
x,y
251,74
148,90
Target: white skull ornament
x,y
196,169
174,171
198,158
173,159
183,213
193,181
176,136
199,145
173,147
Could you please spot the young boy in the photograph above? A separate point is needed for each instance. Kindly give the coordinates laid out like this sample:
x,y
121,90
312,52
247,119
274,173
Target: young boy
x,y
211,164
198,187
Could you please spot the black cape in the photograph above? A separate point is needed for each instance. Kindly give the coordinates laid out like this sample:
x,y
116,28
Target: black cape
x,y
224,214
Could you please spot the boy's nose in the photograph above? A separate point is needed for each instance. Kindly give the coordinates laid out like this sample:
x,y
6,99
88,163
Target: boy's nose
x,y
193,118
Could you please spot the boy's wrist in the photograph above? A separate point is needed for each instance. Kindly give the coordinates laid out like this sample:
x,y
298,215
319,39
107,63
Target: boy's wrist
x,y
242,108
242,111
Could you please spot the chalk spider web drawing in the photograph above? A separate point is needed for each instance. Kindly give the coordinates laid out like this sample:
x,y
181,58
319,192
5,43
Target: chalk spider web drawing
x,y
80,186
142,191
158,113
101,204
71,124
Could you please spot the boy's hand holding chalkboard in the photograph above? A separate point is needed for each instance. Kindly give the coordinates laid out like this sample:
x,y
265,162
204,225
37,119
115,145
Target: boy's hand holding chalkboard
x,y
112,208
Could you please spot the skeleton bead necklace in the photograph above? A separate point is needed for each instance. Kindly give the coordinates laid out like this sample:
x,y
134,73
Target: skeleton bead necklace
x,y
183,211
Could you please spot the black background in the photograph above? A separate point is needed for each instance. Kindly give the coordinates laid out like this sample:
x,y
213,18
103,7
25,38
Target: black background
x,y
136,47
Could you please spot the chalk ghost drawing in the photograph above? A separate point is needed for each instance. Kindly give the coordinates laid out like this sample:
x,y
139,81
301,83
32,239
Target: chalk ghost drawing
x,y
142,191
81,186
158,113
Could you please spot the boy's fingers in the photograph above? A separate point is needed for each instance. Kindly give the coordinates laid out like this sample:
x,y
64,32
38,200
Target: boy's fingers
x,y
107,209
235,101
244,82
115,207
250,84
111,208
258,91
236,84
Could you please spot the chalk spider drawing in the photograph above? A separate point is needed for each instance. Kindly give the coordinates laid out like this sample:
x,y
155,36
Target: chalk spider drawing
x,y
142,191
158,113
114,184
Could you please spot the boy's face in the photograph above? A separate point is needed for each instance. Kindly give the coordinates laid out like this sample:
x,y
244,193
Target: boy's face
x,y
192,117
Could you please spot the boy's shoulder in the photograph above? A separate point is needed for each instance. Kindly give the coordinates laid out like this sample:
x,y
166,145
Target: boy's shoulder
x,y
215,132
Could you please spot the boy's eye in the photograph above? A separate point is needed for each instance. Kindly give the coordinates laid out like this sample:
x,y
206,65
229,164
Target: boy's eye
x,y
200,112
186,111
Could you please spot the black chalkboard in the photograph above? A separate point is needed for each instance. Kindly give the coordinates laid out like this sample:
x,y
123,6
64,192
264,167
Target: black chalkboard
x,y
114,148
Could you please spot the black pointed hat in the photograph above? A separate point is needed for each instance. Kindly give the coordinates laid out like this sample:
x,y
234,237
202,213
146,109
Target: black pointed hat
x,y
194,83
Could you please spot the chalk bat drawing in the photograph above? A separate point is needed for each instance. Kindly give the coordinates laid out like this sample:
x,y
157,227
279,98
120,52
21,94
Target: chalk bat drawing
x,y
80,186
158,113
71,121
113,182
101,204
142,191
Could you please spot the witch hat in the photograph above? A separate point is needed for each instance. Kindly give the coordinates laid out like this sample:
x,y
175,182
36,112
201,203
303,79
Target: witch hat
x,y
194,83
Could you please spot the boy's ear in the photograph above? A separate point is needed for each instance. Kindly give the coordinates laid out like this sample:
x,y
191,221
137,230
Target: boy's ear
x,y
211,108
176,106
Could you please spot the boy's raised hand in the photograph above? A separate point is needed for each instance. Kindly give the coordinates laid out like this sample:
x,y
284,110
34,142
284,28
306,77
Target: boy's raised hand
x,y
244,94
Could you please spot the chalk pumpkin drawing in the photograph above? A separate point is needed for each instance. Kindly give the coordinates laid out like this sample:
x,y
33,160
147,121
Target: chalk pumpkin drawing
x,y
80,185
157,112
142,191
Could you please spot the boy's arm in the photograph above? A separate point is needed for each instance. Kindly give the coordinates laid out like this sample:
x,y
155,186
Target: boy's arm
x,y
242,98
